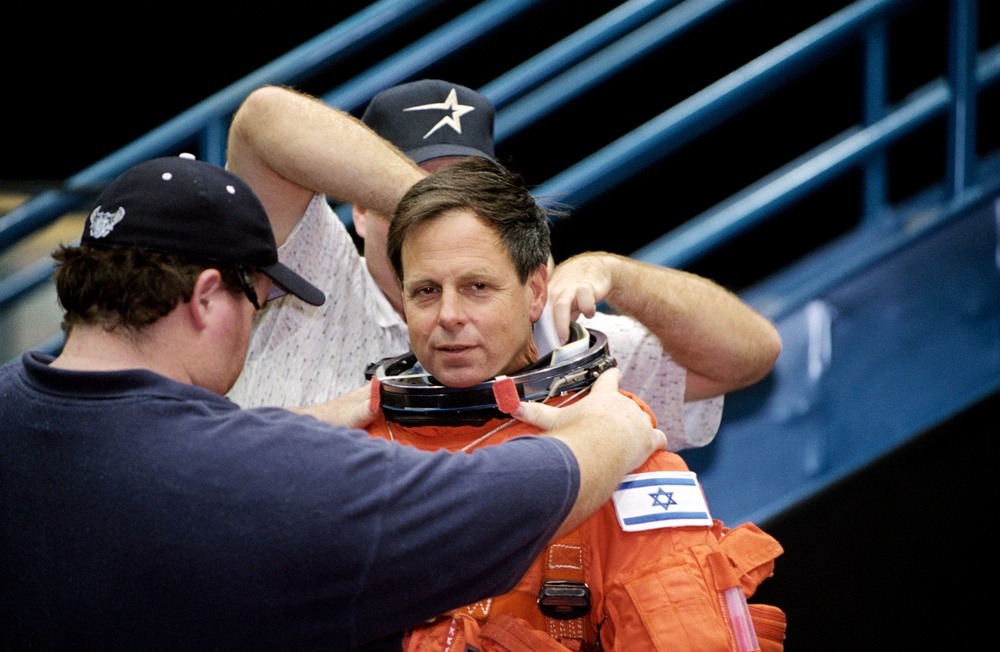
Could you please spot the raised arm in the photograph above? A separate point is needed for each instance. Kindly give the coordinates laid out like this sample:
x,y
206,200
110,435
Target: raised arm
x,y
289,146
724,344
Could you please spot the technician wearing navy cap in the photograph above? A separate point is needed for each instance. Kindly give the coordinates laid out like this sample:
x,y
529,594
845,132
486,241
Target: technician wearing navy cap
x,y
197,210
143,510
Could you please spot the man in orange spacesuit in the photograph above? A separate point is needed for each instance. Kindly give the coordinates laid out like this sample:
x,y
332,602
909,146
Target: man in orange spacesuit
x,y
651,570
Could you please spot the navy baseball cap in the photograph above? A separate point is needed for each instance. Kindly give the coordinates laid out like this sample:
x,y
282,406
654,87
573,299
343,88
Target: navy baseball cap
x,y
431,118
178,205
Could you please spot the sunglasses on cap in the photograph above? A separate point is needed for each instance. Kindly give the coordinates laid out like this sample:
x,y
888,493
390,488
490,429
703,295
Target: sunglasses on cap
x,y
244,275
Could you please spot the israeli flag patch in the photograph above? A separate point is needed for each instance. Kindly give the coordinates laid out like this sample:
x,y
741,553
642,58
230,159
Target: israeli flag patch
x,y
647,501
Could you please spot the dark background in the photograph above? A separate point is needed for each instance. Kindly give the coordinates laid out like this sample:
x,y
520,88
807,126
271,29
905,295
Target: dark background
x,y
867,565
85,80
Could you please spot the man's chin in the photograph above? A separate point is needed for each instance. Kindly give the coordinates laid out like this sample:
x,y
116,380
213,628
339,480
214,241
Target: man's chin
x,y
460,377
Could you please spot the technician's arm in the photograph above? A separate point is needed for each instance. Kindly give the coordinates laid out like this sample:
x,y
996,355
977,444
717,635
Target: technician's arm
x,y
353,409
724,344
289,146
608,434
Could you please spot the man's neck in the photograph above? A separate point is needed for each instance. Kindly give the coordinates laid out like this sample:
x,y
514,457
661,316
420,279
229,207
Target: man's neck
x,y
92,348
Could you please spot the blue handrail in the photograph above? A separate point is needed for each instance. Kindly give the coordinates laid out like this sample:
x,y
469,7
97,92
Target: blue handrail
x,y
602,65
548,81
517,81
413,60
694,116
212,115
701,234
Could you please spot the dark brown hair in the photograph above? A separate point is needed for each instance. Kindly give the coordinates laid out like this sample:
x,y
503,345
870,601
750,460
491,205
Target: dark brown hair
x,y
496,196
125,287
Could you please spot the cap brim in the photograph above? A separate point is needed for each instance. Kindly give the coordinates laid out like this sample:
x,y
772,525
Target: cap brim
x,y
295,284
441,150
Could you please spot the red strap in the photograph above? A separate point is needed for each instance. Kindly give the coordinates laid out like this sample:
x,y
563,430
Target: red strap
x,y
375,399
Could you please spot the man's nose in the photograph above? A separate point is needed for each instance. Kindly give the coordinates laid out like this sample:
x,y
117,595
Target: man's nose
x,y
452,308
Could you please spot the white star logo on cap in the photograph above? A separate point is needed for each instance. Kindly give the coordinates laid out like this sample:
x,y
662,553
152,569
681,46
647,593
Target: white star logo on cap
x,y
450,104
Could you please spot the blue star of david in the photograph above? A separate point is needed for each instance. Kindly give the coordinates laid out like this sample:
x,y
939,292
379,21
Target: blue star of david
x,y
660,495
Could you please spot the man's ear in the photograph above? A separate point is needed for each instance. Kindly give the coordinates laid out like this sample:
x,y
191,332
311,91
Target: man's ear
x,y
208,289
360,217
538,285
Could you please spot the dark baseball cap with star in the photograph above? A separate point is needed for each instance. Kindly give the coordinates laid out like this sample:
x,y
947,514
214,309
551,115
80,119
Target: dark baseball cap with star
x,y
432,118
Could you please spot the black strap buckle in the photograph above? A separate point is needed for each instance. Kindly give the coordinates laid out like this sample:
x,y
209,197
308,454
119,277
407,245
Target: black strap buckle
x,y
564,600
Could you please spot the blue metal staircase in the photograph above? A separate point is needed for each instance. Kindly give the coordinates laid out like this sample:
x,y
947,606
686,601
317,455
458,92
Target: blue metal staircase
x,y
871,244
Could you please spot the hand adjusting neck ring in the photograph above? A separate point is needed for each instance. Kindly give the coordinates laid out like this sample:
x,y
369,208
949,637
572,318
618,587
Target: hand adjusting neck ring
x,y
411,397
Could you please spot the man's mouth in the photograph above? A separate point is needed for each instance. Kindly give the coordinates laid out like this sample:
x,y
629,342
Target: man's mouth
x,y
453,348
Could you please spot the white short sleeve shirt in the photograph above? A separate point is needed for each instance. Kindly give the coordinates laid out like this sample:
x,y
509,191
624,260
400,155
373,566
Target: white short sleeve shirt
x,y
302,355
